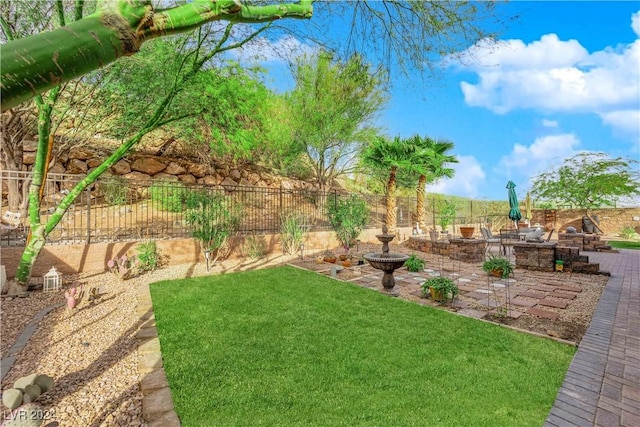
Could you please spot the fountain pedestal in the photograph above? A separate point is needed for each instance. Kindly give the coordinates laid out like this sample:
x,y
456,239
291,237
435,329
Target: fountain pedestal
x,y
387,262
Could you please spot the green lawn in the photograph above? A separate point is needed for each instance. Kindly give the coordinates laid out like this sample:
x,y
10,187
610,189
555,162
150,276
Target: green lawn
x,y
624,244
286,347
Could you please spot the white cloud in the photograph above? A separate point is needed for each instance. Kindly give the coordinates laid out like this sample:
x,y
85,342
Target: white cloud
x,y
625,122
544,153
468,177
552,75
635,23
550,123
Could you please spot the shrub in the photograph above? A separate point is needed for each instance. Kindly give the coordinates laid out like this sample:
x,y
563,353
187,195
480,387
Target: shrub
x,y
168,196
291,232
212,219
148,256
114,190
255,246
348,216
629,233
414,264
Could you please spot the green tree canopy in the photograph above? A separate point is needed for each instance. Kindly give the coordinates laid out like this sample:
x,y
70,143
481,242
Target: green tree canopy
x,y
331,112
588,180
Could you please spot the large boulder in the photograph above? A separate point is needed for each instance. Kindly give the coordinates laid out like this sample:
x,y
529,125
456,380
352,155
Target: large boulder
x,y
198,170
81,153
122,167
148,165
187,178
76,167
174,169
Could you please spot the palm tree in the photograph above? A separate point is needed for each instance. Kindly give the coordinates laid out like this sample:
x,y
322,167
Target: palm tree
x,y
429,160
393,156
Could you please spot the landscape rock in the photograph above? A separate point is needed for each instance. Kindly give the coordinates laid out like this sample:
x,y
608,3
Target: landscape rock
x,y
76,167
148,165
122,167
174,169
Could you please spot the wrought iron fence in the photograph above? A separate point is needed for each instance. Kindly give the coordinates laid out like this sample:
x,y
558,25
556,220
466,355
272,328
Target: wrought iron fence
x,y
118,209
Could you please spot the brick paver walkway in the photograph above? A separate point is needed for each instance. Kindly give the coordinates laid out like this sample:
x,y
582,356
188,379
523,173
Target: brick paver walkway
x,y
602,385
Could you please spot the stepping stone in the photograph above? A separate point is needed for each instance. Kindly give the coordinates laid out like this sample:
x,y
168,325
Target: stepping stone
x,y
522,302
498,285
553,303
514,314
470,312
563,295
454,274
459,304
489,302
465,288
434,274
484,291
428,270
570,288
529,294
476,295
464,280
543,313
545,288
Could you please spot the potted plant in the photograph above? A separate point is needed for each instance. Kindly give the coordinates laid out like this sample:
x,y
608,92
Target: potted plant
x,y
440,288
329,257
414,264
498,266
447,214
347,217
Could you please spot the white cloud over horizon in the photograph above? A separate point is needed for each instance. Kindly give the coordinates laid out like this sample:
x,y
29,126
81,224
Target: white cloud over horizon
x,y
553,75
544,153
469,176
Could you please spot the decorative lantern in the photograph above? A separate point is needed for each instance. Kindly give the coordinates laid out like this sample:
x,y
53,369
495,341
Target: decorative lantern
x,y
51,280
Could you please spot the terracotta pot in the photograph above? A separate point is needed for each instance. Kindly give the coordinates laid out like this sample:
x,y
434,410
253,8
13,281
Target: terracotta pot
x,y
467,232
496,273
330,259
343,257
436,295
346,263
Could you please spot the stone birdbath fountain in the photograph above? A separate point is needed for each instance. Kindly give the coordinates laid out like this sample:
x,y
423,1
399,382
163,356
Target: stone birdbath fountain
x,y
387,262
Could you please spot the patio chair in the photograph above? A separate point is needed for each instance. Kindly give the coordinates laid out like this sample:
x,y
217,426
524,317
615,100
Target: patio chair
x,y
489,238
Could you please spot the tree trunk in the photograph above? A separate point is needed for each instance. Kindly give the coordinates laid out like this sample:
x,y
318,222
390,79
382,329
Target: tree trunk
x,y
420,197
391,218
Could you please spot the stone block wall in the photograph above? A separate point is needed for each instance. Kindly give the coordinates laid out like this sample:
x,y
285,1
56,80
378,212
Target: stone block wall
x,y
584,242
535,256
467,250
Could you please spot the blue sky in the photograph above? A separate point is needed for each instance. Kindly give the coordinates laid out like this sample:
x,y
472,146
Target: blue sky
x,y
564,78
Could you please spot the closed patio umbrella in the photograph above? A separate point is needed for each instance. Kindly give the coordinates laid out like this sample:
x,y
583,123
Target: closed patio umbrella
x,y
514,210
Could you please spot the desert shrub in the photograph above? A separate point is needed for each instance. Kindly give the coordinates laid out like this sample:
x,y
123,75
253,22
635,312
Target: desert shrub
x,y
629,233
114,190
213,219
292,230
255,246
148,256
168,196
